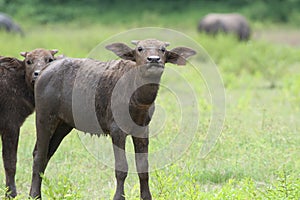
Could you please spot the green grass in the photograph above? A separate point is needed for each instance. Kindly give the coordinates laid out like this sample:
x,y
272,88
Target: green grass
x,y
256,157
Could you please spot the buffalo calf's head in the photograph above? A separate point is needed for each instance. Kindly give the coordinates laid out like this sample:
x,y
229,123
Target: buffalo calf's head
x,y
35,61
151,55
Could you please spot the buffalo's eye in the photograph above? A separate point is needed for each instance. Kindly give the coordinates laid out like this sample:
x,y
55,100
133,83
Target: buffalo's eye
x,y
29,62
163,49
140,49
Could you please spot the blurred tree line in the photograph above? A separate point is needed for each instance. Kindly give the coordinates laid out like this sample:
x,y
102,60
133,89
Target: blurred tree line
x,y
45,11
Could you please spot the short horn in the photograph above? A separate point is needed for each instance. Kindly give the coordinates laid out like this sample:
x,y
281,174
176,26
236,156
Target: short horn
x,y
135,42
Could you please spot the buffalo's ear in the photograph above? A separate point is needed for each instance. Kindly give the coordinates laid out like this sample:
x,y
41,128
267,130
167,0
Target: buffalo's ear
x,y
122,50
53,51
23,54
179,55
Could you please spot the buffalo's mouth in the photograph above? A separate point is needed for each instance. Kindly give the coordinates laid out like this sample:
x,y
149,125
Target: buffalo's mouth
x,y
153,69
155,66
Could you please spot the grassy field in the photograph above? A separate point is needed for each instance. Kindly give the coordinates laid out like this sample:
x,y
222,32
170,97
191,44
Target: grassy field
x,y
256,156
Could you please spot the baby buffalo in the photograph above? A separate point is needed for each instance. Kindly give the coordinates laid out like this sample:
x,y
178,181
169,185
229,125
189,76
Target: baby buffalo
x,y
119,91
16,104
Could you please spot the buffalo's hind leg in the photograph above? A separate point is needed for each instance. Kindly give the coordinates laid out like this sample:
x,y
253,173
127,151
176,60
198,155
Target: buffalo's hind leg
x,y
10,139
121,166
62,130
141,161
42,153
44,129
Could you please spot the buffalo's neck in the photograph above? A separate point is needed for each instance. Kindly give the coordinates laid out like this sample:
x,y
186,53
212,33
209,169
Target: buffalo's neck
x,y
142,104
28,99
28,94
145,95
25,100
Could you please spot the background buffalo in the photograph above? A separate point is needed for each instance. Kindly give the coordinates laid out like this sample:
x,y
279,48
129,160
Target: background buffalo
x,y
227,23
9,25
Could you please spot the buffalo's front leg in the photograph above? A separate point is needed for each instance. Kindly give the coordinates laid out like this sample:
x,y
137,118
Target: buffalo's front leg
x,y
141,159
10,138
121,166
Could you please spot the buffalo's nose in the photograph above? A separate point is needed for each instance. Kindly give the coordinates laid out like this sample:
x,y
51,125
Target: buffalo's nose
x,y
153,59
36,73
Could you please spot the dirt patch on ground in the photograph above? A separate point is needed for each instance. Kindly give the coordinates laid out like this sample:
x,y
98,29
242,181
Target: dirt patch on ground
x,y
281,36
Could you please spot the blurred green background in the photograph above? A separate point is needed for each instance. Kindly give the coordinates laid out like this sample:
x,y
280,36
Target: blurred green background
x,y
148,13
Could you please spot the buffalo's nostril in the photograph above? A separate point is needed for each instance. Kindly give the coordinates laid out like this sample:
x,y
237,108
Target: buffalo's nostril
x,y
36,73
153,59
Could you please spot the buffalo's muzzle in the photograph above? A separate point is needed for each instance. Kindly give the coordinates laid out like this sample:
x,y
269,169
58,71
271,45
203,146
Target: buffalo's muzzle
x,y
153,59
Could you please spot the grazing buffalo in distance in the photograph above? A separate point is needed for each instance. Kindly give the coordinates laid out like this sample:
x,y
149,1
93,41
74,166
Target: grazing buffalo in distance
x,y
16,104
9,25
227,23
126,86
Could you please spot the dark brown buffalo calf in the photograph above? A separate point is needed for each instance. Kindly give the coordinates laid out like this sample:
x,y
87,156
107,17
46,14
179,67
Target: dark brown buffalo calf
x,y
122,86
17,103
